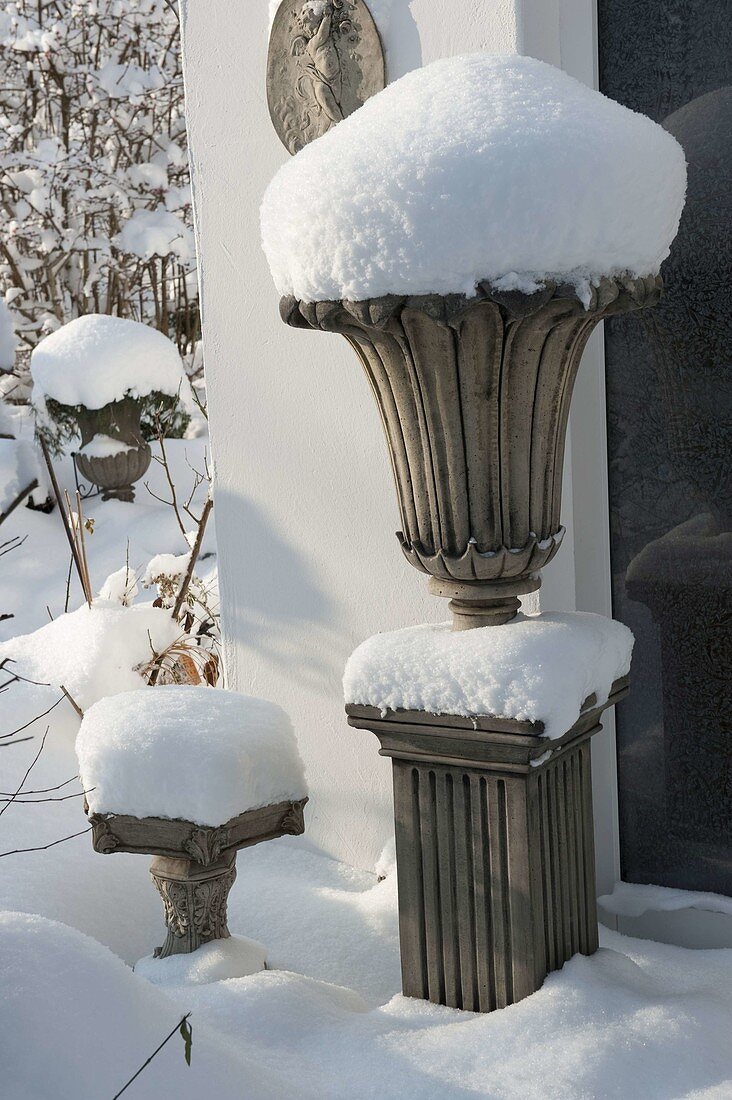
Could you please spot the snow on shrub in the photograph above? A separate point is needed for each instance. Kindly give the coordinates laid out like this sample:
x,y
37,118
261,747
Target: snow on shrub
x,y
120,587
165,571
95,651
158,232
474,168
8,339
93,146
95,360
194,753
18,469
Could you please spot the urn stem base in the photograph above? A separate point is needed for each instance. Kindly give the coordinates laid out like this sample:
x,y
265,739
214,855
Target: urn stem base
x,y
476,604
126,493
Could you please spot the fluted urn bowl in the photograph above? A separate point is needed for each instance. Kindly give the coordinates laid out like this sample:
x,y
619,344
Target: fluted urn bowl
x,y
474,395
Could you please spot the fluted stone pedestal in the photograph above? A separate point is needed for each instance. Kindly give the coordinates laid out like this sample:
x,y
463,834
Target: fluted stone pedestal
x,y
495,850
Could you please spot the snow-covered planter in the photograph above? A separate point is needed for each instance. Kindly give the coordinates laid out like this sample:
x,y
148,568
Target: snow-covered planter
x,y
189,775
486,214
113,384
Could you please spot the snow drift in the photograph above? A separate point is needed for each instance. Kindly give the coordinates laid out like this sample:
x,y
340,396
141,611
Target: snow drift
x,y
93,651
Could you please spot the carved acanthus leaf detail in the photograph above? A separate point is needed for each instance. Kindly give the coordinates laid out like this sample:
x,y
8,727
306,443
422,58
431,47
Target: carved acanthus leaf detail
x,y
195,911
205,845
103,839
294,820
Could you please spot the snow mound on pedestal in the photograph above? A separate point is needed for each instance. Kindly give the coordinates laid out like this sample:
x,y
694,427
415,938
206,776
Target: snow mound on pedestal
x,y
93,651
537,668
235,957
96,359
193,753
76,1022
474,168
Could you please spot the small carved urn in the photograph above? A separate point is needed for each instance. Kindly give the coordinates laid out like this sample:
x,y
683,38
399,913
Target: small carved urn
x,y
474,395
194,866
113,453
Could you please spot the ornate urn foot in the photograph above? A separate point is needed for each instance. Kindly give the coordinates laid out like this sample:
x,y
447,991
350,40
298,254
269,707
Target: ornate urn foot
x,y
195,900
483,604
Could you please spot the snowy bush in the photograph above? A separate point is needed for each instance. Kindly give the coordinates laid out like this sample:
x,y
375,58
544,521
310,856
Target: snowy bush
x,y
95,183
8,339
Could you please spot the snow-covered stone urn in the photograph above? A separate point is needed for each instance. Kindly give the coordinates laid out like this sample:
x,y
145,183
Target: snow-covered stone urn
x,y
485,215
106,381
190,775
113,454
465,230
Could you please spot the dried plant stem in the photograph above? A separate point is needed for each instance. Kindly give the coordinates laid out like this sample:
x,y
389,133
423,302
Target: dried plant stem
x,y
66,519
195,551
44,847
73,702
30,768
185,584
157,1050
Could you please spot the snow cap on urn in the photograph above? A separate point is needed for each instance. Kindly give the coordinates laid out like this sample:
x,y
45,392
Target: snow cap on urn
x,y
476,168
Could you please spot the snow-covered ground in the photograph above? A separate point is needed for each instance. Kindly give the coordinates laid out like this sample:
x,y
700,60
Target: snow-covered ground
x,y
326,1019
637,1020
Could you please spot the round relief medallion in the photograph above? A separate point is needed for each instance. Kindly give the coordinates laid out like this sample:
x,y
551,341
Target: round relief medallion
x,y
325,59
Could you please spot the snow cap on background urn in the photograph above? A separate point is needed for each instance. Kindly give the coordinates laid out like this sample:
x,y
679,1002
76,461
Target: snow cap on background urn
x,y
97,359
476,168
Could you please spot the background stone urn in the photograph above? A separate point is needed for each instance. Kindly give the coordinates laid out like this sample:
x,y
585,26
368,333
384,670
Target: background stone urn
x,y
474,395
117,471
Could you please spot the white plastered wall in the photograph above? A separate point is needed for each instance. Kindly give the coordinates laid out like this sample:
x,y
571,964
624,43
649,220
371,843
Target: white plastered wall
x,y
305,507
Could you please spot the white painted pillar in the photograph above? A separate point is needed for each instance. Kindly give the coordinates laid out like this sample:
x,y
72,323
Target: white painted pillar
x,y
305,508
